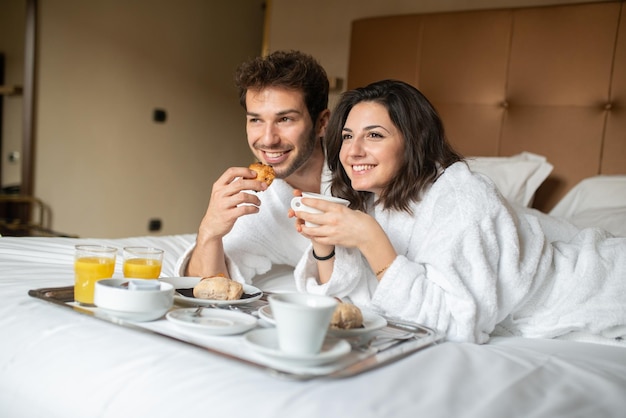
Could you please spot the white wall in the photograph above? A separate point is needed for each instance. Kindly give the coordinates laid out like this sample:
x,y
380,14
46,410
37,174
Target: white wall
x,y
101,163
322,27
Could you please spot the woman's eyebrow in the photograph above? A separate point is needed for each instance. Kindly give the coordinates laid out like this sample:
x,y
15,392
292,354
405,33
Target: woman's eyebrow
x,y
370,127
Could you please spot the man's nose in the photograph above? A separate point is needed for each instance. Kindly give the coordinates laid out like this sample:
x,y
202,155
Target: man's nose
x,y
270,135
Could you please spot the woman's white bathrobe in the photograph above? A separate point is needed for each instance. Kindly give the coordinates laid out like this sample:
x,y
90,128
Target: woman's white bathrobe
x,y
469,264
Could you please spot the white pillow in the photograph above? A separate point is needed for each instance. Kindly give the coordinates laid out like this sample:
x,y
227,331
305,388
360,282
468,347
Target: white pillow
x,y
598,201
612,220
517,177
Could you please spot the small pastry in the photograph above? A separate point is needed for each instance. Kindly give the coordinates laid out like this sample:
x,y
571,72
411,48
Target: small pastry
x,y
347,316
218,288
264,172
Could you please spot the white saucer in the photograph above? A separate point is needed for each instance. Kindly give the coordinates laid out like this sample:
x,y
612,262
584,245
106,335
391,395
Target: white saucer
x,y
189,282
371,322
265,313
213,321
265,341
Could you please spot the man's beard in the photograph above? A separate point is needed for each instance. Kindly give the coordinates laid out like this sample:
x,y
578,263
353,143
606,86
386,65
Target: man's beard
x,y
304,154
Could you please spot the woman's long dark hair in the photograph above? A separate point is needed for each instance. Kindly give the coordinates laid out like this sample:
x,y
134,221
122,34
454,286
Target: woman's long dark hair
x,y
426,152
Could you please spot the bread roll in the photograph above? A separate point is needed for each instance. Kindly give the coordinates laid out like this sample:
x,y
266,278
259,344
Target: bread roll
x,y
218,288
264,172
347,316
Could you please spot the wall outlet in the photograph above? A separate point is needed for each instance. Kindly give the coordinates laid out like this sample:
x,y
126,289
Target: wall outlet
x,y
159,115
154,225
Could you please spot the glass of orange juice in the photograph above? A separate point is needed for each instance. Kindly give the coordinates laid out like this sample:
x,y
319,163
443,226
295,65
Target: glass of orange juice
x,y
91,263
143,262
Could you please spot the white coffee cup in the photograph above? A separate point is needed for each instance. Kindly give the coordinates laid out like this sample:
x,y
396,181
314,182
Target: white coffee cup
x,y
302,321
296,204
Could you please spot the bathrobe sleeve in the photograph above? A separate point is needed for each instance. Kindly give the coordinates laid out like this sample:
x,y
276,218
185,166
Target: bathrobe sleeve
x,y
259,241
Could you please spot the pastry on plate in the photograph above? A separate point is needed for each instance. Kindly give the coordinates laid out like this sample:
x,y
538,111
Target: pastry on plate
x,y
347,316
218,288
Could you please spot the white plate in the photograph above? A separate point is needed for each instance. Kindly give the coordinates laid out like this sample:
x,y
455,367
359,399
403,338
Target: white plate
x,y
213,321
265,341
189,282
132,316
371,322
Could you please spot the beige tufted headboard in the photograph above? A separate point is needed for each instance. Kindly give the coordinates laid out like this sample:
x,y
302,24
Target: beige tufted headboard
x,y
549,80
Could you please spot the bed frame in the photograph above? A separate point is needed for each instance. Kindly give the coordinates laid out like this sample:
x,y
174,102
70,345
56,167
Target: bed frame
x,y
548,80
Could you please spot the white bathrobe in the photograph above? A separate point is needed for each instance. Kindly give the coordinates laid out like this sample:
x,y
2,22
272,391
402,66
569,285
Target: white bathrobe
x,y
264,239
470,265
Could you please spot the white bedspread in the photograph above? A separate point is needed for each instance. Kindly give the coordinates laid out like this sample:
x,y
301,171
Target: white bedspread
x,y
57,363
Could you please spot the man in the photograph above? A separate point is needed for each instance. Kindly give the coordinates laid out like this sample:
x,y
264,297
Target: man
x,y
243,233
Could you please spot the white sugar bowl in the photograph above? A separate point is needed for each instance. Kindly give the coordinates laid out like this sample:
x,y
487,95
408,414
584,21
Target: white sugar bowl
x,y
134,299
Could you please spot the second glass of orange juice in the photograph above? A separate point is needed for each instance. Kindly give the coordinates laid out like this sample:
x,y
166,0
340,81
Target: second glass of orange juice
x,y
143,262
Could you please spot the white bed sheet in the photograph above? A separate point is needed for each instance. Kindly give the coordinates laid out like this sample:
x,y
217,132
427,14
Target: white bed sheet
x,y
57,363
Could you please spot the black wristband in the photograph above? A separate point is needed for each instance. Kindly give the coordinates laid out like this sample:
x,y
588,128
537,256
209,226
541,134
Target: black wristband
x,y
328,257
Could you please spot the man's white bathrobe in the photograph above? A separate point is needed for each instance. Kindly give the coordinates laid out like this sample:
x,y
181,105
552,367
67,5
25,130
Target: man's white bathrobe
x,y
470,265
259,241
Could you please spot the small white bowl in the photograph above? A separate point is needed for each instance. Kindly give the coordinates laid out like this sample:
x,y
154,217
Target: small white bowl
x,y
116,298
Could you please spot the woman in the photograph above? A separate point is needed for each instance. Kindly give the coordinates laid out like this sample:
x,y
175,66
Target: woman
x,y
427,240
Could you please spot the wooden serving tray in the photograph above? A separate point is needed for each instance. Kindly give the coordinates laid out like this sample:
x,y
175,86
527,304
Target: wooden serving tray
x,y
359,360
